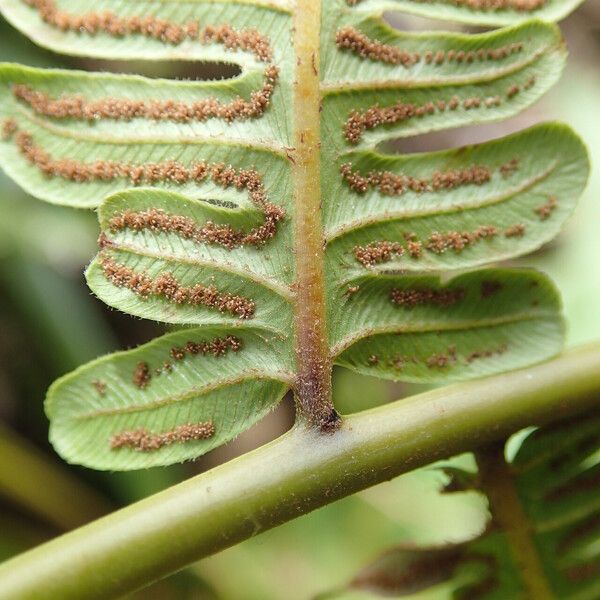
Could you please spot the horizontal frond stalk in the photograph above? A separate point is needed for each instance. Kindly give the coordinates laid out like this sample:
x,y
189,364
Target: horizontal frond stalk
x,y
167,287
142,440
120,109
349,38
360,121
163,30
490,5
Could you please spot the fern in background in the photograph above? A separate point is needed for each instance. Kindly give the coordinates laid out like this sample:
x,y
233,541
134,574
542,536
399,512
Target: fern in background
x,y
541,541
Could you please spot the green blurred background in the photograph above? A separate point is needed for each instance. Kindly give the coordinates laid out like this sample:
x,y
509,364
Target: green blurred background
x,y
50,323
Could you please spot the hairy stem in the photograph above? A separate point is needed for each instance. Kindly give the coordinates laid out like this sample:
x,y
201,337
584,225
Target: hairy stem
x,y
293,475
508,513
313,388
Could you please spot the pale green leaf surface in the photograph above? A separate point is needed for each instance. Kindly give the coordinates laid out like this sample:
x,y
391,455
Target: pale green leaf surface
x,y
267,15
476,324
272,311
268,130
135,143
531,78
231,391
429,57
258,275
270,265
552,163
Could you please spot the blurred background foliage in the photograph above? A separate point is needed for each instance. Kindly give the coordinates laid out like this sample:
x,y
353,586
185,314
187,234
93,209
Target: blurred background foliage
x,y
49,324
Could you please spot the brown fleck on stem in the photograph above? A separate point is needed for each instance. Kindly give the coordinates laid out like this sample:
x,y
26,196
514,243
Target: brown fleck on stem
x,y
508,513
313,387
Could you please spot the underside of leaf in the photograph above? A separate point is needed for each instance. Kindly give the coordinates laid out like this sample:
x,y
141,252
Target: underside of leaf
x,y
416,328
140,408
268,213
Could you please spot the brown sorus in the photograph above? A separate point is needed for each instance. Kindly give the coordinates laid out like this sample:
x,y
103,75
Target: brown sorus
x,y
349,38
545,210
411,297
167,287
377,252
99,386
517,230
141,440
216,347
163,30
141,375
375,116
490,288
391,184
478,354
78,107
9,127
508,168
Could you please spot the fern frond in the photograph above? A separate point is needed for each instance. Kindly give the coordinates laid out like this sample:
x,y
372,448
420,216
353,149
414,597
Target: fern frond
x,y
287,236
542,539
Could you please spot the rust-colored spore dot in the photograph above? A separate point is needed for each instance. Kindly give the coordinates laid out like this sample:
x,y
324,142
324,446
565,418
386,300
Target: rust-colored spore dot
x,y
484,5
99,386
438,243
352,40
9,128
517,230
162,30
412,297
414,248
167,287
392,184
141,440
376,116
171,172
217,347
479,354
378,252
77,107
351,291
141,375
545,210
508,168
490,288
